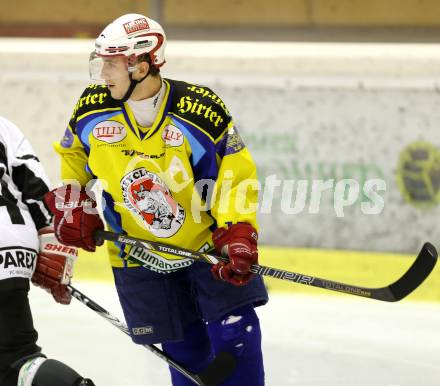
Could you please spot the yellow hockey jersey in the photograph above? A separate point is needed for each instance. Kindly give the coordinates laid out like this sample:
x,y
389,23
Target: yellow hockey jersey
x,y
174,182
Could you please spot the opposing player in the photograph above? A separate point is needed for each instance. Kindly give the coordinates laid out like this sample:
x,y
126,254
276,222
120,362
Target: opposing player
x,y
22,218
165,150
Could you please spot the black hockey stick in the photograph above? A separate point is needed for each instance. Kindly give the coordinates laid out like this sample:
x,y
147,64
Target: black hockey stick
x,y
416,274
218,370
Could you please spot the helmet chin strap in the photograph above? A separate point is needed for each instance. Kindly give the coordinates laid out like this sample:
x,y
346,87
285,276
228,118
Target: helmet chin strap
x,y
133,84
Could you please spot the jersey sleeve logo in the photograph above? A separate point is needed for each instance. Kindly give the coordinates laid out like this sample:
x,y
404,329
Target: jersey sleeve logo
x,y
67,139
234,143
151,203
109,131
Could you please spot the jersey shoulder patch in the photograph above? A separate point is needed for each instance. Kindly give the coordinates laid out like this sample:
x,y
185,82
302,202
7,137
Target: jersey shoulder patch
x,y
94,97
201,106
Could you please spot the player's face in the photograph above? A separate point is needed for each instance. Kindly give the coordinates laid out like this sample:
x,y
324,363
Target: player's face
x,y
115,74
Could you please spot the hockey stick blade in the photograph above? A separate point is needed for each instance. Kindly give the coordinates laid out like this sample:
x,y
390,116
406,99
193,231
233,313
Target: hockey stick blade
x,y
217,371
411,279
416,274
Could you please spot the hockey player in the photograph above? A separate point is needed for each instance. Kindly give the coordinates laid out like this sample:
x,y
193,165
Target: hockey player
x,y
158,146
23,217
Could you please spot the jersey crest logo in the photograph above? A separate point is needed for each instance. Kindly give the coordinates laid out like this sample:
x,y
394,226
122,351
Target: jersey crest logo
x,y
109,131
172,136
150,201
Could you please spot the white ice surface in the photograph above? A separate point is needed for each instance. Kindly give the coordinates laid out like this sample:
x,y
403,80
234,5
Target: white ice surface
x,y
307,340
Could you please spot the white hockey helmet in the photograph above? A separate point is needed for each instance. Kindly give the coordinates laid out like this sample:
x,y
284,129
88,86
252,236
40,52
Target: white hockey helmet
x,y
133,35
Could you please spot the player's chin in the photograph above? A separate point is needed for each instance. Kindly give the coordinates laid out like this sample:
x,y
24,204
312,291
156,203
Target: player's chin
x,y
115,92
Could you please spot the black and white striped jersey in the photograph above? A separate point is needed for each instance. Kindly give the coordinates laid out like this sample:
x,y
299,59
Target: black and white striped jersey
x,y
23,184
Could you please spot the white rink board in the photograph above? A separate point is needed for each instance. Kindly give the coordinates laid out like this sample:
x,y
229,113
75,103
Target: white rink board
x,y
307,340
306,111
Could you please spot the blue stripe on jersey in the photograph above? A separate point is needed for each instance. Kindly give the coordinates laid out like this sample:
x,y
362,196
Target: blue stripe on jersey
x,y
113,219
203,158
168,105
111,216
197,149
127,118
221,146
87,169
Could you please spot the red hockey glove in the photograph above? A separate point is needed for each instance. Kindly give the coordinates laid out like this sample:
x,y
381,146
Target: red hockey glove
x,y
75,216
54,266
239,243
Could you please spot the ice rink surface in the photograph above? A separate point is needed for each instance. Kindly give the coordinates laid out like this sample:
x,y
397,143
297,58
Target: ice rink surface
x,y
308,340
